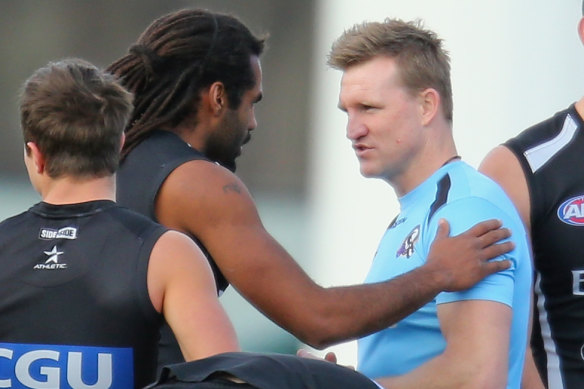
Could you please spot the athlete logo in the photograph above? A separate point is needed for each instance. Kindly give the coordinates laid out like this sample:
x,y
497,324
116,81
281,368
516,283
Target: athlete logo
x,y
53,255
407,247
52,262
572,211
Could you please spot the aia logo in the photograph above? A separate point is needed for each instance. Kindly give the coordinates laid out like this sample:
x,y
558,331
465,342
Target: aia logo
x,y
572,211
407,247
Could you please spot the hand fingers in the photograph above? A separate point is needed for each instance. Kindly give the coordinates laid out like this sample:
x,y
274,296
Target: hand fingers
x,y
331,357
443,229
303,353
497,250
495,266
482,228
494,236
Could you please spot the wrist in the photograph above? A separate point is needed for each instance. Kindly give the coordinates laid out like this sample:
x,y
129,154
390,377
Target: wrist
x,y
436,278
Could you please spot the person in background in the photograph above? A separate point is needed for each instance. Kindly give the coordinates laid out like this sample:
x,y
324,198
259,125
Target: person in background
x,y
537,170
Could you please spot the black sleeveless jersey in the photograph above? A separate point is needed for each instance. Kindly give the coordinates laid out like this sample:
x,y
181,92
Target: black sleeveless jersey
x,y
550,154
144,170
139,178
74,304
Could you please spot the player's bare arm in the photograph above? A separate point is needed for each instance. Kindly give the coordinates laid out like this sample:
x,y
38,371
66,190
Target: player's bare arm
x,y
504,168
181,286
226,220
476,353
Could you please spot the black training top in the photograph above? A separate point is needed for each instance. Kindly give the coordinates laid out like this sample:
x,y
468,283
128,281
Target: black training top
x,y
74,302
550,154
139,180
145,169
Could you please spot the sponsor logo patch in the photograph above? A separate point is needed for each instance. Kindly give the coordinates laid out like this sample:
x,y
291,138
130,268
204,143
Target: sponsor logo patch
x,y
52,262
61,233
572,211
65,367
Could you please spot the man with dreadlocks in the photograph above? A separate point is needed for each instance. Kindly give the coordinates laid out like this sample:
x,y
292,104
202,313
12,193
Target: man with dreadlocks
x,y
196,76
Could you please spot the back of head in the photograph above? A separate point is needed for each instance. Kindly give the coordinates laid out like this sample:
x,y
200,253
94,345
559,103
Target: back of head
x,y
175,58
422,61
76,115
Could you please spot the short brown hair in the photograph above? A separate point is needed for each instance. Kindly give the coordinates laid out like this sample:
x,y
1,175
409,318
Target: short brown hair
x,y
76,115
422,61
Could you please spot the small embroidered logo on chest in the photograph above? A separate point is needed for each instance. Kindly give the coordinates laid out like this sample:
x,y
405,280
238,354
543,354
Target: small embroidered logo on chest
x,y
407,247
572,211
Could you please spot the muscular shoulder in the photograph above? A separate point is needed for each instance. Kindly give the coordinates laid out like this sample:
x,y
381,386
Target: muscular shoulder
x,y
174,256
177,247
200,193
504,168
201,178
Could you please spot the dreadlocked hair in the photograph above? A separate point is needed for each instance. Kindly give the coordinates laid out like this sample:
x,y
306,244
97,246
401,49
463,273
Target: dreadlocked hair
x,y
177,56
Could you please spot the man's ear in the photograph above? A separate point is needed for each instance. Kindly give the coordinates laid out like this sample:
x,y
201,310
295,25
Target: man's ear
x,y
217,97
37,156
429,104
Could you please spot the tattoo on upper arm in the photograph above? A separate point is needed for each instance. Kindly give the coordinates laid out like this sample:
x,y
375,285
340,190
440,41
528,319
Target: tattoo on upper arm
x,y
233,187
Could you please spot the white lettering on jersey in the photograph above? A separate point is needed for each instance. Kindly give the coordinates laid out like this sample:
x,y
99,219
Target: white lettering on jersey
x,y
578,282
22,369
61,233
50,369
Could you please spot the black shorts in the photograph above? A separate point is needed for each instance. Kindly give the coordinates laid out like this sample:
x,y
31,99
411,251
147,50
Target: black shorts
x,y
260,371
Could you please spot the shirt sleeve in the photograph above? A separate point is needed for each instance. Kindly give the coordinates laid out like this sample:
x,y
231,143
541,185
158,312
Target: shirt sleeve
x,y
462,215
